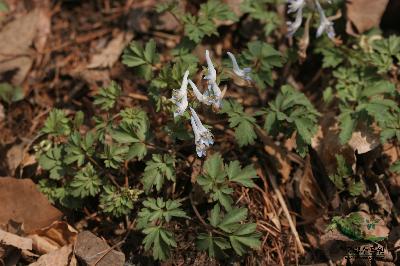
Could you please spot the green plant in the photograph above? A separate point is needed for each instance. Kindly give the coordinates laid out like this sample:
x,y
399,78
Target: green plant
x,y
131,153
232,233
9,93
344,178
217,177
153,219
291,112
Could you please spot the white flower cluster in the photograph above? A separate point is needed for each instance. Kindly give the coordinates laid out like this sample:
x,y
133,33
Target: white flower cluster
x,y
203,138
296,6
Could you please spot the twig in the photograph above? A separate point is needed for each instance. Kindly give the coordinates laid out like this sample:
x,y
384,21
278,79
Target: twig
x,y
287,214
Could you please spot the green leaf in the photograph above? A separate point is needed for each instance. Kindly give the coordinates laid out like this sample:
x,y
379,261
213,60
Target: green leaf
x,y
232,218
242,176
108,96
291,112
157,211
265,57
241,122
142,60
78,120
3,6
216,9
213,245
9,93
214,166
86,182
114,155
118,202
78,148
159,168
57,123
160,240
52,160
347,124
356,188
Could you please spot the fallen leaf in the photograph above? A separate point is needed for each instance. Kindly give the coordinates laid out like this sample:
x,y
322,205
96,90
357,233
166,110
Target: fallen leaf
x,y
19,242
327,145
16,39
2,114
14,157
312,199
22,202
92,250
43,29
53,237
363,140
374,226
59,257
363,15
110,54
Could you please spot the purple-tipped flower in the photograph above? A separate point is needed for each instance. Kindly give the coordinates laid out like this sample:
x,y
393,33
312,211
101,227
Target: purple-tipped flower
x,y
325,25
243,73
295,6
202,136
179,97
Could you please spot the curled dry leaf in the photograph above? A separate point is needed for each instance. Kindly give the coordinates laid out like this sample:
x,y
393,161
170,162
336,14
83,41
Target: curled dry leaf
x,y
14,240
59,257
14,157
53,237
16,39
363,15
363,140
22,202
110,54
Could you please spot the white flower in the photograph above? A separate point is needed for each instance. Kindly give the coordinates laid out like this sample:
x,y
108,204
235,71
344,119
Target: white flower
x,y
212,73
216,94
203,98
243,73
295,6
202,136
179,97
325,25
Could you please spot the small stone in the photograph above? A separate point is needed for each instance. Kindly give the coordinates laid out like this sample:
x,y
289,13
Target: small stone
x,y
92,250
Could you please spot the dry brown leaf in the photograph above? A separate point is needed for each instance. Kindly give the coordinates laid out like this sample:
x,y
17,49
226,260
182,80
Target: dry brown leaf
x,y
59,257
10,239
93,250
43,29
379,230
312,200
363,140
15,40
327,145
14,157
53,237
2,114
363,15
110,54
22,202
